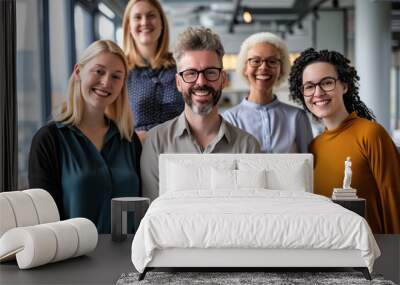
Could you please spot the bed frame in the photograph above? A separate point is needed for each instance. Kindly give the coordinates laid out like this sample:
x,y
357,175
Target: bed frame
x,y
250,258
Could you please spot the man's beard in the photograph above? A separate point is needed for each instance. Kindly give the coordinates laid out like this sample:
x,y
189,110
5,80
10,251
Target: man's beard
x,y
204,109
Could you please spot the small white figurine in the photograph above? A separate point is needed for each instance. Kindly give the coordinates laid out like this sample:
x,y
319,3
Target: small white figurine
x,y
347,173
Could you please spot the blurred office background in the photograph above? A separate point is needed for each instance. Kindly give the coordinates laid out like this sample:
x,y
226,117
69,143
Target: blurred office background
x,y
50,35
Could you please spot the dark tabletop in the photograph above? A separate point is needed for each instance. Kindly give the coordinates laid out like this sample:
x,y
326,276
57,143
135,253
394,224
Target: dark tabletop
x,y
104,265
110,259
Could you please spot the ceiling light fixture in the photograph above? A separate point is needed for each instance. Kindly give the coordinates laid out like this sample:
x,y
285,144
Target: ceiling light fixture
x,y
247,17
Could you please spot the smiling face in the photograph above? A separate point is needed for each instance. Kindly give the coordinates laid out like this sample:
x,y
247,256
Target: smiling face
x,y
102,79
202,95
145,24
262,78
326,105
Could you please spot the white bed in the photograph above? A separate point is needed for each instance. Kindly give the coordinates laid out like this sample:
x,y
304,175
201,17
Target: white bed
x,y
247,210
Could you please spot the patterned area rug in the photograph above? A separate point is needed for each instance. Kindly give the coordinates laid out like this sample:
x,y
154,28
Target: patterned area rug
x,y
242,278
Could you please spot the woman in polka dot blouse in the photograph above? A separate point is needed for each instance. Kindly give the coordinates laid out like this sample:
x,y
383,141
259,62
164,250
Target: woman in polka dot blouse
x,y
151,81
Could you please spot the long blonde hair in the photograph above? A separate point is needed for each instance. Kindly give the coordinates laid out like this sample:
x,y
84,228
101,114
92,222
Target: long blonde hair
x,y
119,111
163,58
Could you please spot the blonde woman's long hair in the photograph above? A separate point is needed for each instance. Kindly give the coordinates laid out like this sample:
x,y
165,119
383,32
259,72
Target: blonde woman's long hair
x,y
163,58
71,111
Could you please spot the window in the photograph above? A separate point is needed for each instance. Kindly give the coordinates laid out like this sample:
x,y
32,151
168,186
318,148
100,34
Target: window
x,y
105,28
118,35
60,55
29,82
83,29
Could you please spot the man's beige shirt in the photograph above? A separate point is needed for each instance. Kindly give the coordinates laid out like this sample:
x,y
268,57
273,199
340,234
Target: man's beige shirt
x,y
174,136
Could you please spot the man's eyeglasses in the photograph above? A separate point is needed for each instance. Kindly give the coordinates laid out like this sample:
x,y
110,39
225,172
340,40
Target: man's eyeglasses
x,y
191,75
271,62
326,84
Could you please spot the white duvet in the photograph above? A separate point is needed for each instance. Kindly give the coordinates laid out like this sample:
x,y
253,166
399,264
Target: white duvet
x,y
253,218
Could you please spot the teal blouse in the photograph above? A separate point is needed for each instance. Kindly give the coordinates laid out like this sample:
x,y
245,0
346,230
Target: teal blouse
x,y
90,178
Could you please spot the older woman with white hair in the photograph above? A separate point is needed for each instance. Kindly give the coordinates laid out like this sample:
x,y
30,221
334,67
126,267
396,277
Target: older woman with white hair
x,y
263,62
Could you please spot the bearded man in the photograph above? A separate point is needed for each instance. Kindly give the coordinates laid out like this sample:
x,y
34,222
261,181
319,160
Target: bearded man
x,y
200,128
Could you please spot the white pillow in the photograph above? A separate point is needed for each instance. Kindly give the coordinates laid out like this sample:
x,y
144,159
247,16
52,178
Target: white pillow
x,y
223,179
188,175
237,179
290,179
281,174
251,178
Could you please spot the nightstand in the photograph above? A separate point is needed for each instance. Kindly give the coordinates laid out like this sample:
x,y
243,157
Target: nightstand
x,y
356,205
119,208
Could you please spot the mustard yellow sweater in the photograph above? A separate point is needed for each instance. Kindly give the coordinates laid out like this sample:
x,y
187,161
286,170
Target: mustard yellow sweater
x,y
375,167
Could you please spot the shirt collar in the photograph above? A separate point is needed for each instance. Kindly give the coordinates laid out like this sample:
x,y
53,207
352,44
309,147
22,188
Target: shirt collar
x,y
271,105
182,127
62,125
112,131
225,131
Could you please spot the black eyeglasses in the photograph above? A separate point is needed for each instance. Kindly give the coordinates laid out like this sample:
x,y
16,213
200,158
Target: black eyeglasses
x,y
191,75
326,84
271,62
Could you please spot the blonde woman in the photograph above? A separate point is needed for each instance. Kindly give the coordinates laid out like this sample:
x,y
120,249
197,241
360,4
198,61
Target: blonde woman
x,y
151,80
90,153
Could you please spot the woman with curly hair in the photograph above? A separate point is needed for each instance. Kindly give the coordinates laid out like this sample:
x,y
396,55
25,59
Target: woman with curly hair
x,y
326,85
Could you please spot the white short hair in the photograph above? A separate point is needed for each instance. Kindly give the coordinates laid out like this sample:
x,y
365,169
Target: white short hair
x,y
267,38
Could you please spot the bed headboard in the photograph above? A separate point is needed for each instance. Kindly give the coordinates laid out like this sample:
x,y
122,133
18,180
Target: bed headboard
x,y
286,170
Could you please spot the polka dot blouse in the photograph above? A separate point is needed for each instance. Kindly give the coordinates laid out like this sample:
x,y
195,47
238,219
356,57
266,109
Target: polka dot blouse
x,y
153,96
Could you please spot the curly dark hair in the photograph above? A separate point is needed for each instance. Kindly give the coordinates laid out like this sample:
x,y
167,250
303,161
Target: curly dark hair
x,y
346,73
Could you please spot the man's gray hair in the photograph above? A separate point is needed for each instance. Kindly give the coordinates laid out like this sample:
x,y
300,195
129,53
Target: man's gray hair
x,y
198,38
